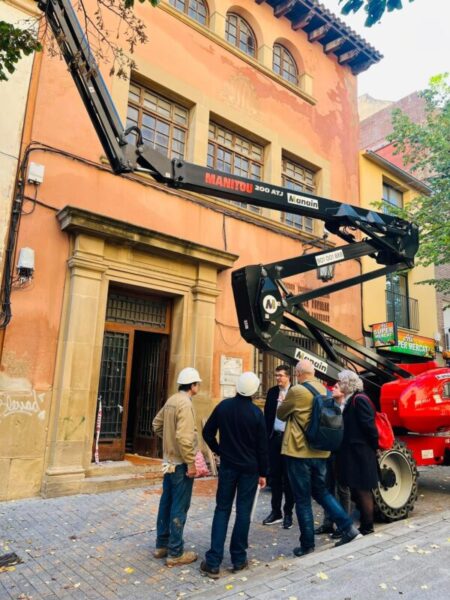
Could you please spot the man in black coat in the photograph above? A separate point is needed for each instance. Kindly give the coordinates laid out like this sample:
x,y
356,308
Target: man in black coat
x,y
279,480
243,466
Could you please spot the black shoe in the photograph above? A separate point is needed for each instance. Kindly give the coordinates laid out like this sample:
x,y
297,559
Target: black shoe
x,y
237,568
324,529
287,522
366,530
272,519
348,536
209,571
299,551
336,535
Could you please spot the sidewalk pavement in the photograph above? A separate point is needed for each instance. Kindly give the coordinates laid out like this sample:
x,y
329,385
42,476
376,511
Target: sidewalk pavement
x,y
100,547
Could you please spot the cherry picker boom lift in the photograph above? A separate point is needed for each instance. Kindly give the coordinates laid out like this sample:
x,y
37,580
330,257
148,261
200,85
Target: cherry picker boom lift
x,y
415,396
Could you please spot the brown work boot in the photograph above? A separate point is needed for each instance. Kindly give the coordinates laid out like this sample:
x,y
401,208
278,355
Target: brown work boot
x,y
184,559
160,553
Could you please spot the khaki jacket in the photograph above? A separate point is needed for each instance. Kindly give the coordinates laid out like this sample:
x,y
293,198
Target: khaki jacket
x,y
175,424
296,411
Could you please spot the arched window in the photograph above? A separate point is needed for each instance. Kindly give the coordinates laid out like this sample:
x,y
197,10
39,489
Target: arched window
x,y
196,9
239,33
284,64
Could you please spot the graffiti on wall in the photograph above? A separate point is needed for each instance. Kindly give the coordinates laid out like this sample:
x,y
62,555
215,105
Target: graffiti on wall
x,y
28,403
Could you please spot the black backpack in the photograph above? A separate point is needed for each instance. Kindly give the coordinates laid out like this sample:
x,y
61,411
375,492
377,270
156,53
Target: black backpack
x,y
326,426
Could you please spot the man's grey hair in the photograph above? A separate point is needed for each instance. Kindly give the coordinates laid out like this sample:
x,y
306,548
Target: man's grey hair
x,y
304,367
350,382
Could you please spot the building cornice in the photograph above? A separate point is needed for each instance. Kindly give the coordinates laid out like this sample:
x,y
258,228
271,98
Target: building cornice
x,y
78,221
322,26
28,7
403,175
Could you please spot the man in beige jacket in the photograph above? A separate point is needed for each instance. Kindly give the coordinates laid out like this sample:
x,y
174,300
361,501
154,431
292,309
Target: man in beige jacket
x,y
306,466
175,423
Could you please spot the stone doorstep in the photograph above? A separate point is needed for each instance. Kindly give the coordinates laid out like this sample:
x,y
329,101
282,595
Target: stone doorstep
x,y
114,482
110,475
123,467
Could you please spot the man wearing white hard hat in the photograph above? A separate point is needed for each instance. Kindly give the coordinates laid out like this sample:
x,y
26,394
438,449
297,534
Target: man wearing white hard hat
x,y
243,465
175,424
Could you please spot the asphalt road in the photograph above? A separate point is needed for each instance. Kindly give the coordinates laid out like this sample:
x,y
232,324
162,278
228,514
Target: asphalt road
x,y
434,491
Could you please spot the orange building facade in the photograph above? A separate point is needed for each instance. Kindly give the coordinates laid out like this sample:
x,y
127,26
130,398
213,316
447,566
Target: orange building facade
x,y
132,280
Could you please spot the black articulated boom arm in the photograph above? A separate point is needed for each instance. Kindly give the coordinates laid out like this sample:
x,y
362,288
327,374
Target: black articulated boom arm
x,y
267,311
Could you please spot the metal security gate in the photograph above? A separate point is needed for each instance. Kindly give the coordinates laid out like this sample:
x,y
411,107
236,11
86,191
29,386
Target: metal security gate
x,y
113,391
132,383
147,392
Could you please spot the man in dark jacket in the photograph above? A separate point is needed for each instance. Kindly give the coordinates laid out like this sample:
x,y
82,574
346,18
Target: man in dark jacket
x,y
279,480
243,465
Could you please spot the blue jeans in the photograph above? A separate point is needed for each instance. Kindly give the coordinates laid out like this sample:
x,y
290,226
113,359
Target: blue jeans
x,y
173,509
242,485
308,479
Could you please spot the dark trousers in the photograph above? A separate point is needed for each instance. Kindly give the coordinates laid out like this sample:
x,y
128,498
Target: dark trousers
x,y
232,483
307,477
173,509
279,480
341,492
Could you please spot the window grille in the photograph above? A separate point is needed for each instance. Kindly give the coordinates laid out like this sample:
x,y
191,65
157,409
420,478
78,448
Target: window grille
x,y
112,382
136,310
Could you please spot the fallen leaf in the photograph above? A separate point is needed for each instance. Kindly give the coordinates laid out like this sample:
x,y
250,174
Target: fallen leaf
x,y
229,587
383,586
321,575
129,570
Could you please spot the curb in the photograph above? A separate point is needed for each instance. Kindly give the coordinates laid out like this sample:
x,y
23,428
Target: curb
x,y
326,559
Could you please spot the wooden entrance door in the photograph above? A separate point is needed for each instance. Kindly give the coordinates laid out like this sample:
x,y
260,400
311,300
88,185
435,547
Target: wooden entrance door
x,y
135,349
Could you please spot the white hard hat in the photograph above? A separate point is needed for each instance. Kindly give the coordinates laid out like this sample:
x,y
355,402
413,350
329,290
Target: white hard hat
x,y
188,375
247,384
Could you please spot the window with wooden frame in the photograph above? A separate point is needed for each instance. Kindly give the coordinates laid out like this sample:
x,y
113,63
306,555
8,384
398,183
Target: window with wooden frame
x,y
195,9
391,197
239,33
301,179
232,153
163,122
284,64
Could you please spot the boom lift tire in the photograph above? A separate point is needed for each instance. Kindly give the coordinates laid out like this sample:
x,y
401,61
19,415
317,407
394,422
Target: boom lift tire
x,y
397,491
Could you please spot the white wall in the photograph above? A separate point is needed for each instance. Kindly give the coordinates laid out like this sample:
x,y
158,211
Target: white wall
x,y
13,98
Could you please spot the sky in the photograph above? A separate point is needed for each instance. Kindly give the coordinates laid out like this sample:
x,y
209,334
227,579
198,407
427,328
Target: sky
x,y
415,43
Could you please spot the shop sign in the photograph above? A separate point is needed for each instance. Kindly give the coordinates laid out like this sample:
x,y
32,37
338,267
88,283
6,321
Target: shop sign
x,y
384,334
417,345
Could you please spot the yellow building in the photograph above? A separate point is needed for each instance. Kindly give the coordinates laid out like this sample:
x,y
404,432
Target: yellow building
x,y
398,297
